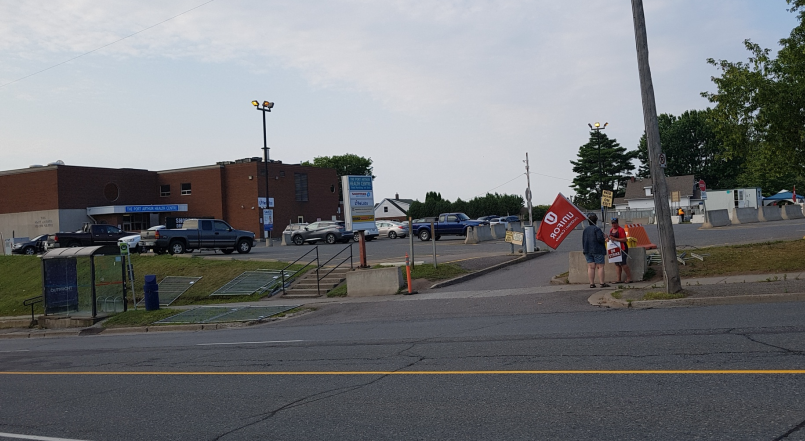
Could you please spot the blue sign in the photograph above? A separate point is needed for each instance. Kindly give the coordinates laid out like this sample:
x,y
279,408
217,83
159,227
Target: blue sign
x,y
360,182
150,208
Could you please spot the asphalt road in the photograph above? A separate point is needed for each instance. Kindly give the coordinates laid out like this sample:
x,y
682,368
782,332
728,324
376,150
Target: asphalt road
x,y
213,385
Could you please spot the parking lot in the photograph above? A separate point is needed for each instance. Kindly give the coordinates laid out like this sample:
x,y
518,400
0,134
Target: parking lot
x,y
453,249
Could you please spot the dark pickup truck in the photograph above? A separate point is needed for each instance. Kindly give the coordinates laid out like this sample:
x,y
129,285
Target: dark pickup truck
x,y
447,224
197,234
90,234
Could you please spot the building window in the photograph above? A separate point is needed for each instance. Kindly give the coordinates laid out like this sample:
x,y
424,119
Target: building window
x,y
300,219
164,190
282,173
300,179
648,190
385,209
185,189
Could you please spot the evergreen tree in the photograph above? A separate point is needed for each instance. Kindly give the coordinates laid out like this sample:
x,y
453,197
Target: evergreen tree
x,y
602,165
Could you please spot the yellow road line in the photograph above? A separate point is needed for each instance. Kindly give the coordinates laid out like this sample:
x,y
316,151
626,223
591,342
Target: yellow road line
x,y
524,372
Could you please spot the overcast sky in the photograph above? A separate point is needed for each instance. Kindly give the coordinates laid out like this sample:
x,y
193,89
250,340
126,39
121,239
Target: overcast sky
x,y
442,95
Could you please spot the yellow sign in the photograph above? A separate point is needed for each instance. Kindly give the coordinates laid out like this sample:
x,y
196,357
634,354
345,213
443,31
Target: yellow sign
x,y
517,238
509,235
366,218
606,198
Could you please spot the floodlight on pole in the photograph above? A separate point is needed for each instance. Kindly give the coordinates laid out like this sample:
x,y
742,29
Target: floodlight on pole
x,y
267,106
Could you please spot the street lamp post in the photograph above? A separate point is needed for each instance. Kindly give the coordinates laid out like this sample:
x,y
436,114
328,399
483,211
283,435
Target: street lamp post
x,y
266,107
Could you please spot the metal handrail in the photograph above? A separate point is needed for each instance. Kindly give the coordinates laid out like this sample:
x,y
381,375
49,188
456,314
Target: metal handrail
x,y
316,259
31,302
341,263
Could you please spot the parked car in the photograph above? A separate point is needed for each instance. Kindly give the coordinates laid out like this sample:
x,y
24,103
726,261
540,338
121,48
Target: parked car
x,y
488,218
392,229
295,227
134,240
505,220
91,234
369,234
454,224
197,234
34,246
328,231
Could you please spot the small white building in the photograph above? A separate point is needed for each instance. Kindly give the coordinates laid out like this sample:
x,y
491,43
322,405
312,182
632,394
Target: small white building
x,y
393,209
734,198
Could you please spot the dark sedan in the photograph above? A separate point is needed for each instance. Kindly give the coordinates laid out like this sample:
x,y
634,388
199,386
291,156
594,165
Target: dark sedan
x,y
328,231
33,246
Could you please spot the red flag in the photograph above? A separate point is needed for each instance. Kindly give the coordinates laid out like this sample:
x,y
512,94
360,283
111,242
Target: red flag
x,y
559,221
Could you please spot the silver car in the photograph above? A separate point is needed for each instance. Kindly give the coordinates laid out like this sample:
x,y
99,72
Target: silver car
x,y
392,229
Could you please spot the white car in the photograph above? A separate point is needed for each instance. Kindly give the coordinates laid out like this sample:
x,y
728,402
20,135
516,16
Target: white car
x,y
134,240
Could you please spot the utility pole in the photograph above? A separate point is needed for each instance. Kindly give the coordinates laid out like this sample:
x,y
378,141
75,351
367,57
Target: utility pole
x,y
666,230
528,190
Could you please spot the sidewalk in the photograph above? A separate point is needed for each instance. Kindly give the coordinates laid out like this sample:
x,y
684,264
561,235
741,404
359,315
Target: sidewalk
x,y
739,289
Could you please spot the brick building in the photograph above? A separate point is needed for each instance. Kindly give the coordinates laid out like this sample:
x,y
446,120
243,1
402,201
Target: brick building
x,y
56,198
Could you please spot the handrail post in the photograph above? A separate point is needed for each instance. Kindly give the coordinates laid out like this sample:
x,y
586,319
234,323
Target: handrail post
x,y
351,266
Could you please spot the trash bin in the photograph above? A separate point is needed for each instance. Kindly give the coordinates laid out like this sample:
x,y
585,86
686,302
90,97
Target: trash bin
x,y
151,290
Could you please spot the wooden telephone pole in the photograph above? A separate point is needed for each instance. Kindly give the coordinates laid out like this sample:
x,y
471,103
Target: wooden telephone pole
x,y
663,210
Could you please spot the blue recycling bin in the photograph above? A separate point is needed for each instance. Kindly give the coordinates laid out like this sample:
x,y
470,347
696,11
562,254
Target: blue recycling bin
x,y
151,290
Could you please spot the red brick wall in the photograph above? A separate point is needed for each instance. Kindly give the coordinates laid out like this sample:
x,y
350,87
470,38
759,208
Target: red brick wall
x,y
82,187
29,190
322,203
205,198
240,203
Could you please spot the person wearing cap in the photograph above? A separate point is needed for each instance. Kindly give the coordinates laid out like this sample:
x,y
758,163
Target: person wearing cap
x,y
618,234
593,244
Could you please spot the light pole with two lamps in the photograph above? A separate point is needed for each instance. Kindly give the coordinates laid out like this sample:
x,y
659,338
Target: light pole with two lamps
x,y
266,107
597,128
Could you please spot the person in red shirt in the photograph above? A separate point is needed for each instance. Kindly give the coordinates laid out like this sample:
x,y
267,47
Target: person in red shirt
x,y
618,234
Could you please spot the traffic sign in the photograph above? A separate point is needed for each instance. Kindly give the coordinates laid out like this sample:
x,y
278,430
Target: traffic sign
x,y
702,187
663,160
606,198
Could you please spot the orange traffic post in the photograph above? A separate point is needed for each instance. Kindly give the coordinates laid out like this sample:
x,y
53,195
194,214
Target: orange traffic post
x,y
408,274
638,232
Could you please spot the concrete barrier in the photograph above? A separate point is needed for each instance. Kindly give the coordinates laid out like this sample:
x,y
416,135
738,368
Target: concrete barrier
x,y
374,282
769,213
578,267
498,231
517,226
676,219
697,219
716,218
743,216
792,212
286,239
481,233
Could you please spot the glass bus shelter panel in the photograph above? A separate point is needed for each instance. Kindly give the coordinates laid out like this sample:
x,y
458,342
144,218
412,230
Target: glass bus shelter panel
x,y
84,272
109,283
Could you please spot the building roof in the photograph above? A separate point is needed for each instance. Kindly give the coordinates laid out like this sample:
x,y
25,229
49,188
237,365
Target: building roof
x,y
685,185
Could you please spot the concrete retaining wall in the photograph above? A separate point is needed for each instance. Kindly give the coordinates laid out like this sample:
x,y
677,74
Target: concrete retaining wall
x,y
498,231
374,282
578,267
481,233
716,218
792,212
769,213
743,216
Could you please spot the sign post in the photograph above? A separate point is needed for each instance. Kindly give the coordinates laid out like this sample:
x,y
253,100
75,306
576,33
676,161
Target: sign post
x,y
124,251
359,208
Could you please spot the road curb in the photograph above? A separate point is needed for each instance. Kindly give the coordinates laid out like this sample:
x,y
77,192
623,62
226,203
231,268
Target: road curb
x,y
606,299
481,272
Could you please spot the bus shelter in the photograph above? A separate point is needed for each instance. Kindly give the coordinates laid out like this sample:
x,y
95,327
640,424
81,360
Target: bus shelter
x,y
83,281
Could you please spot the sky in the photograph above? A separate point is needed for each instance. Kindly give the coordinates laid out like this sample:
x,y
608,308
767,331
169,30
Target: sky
x,y
444,96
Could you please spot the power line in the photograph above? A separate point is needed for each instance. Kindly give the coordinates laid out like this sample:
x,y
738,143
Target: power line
x,y
106,45
519,176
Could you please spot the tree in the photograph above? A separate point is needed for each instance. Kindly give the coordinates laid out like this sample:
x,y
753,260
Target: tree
x,y
692,147
344,165
597,168
759,110
434,205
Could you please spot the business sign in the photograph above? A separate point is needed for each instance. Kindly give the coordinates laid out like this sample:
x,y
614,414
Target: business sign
x,y
559,221
268,219
151,208
261,203
359,203
60,285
